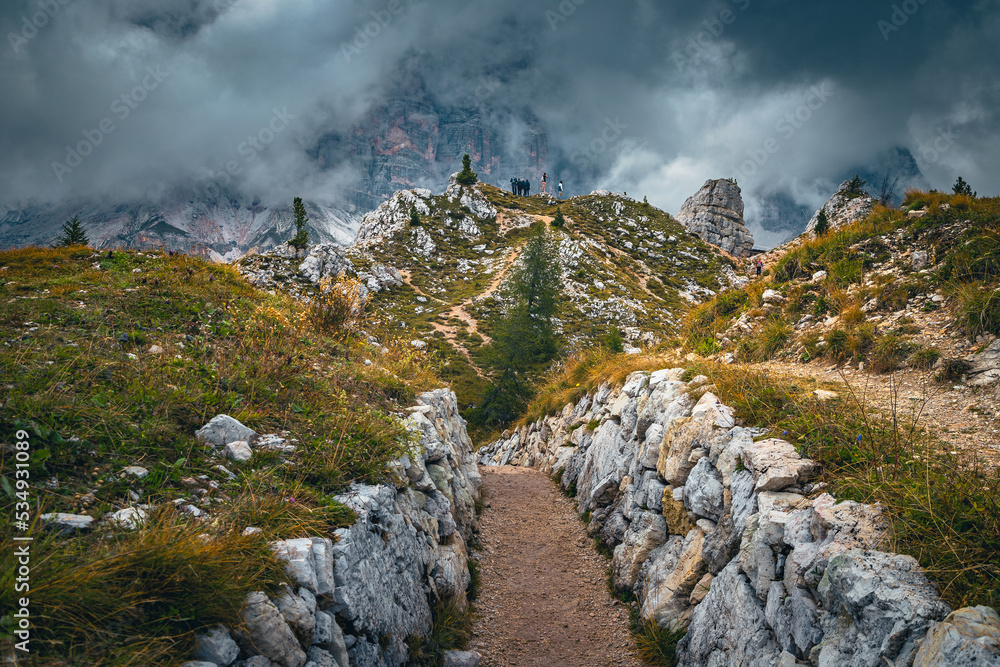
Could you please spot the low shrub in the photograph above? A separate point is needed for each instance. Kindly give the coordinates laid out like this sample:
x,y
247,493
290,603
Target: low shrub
x,y
925,358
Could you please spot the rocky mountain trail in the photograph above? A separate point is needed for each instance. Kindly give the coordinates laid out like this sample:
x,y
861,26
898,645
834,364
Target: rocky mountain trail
x,y
543,599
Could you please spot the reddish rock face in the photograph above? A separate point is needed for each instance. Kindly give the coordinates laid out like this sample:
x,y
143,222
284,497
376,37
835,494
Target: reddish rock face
x,y
409,143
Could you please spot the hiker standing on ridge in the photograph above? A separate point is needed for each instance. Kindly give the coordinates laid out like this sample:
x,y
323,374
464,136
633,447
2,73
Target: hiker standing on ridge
x,y
760,266
513,185
527,188
560,189
545,179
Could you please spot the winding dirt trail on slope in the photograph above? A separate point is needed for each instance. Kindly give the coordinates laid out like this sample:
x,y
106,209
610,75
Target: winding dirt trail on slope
x,y
543,600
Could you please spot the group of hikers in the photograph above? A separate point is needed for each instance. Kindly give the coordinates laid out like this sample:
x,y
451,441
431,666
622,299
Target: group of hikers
x,y
522,188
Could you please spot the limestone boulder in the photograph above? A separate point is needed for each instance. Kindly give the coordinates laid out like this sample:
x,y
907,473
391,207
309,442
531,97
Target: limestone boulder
x,y
647,532
968,637
669,578
776,465
704,493
265,632
984,368
729,627
883,604
223,429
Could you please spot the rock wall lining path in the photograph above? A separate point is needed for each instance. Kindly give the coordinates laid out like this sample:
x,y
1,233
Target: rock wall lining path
x,y
724,536
356,599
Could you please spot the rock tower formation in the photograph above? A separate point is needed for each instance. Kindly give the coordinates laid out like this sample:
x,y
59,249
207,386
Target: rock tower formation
x,y
715,213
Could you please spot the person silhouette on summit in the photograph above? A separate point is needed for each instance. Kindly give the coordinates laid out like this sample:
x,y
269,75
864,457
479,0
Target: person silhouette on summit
x,y
513,185
527,188
560,189
545,179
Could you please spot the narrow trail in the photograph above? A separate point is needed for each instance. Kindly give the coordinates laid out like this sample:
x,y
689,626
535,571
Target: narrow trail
x,y
543,600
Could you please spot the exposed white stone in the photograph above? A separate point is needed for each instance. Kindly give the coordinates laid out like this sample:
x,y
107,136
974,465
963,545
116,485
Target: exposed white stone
x,y
68,522
238,451
223,429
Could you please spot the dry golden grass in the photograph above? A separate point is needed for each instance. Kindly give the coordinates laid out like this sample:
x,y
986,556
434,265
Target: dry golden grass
x,y
584,372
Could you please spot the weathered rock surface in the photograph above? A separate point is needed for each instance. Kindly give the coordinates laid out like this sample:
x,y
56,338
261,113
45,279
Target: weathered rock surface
x,y
715,213
843,208
984,368
758,573
462,659
266,633
222,430
379,578
968,637
216,646
67,523
325,260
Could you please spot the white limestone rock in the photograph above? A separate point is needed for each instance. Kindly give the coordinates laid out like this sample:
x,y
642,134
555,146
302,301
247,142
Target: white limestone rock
x,y
67,523
223,429
843,208
216,646
265,632
325,260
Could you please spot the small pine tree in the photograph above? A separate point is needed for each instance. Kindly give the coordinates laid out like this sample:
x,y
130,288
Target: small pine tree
x,y
963,188
72,234
822,223
558,220
856,186
645,200
467,176
414,217
301,238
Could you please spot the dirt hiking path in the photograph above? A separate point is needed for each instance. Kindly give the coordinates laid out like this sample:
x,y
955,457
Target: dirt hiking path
x,y
543,600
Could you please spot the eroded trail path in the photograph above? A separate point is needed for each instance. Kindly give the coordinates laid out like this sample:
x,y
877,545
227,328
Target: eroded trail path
x,y
543,601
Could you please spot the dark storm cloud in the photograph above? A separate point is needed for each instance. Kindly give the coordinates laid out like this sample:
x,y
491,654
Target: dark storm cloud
x,y
649,97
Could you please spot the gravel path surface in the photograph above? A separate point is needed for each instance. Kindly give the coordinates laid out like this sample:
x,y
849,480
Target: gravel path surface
x,y
543,600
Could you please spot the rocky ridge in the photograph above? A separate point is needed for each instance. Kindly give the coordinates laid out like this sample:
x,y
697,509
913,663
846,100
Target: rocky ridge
x,y
356,599
715,213
843,208
442,284
727,538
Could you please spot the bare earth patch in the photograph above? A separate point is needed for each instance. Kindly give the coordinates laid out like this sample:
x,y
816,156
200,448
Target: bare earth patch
x,y
544,600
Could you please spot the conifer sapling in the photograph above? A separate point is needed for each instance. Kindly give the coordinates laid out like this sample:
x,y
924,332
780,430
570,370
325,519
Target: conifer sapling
x,y
301,238
72,234
467,176
558,220
822,223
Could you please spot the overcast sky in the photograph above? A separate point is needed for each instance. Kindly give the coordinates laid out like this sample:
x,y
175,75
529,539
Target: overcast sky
x,y
649,97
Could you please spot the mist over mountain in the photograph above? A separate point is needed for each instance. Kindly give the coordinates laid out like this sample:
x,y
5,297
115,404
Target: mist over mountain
x,y
142,104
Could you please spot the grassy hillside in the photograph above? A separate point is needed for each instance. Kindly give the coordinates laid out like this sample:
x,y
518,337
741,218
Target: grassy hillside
x,y
112,360
875,303
626,266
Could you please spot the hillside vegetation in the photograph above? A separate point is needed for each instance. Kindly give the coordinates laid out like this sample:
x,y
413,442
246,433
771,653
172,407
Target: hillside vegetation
x,y
630,273
112,361
867,292
860,294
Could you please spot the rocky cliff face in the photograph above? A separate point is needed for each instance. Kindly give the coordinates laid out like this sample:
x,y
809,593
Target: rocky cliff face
x,y
415,141
356,599
715,213
726,538
844,208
